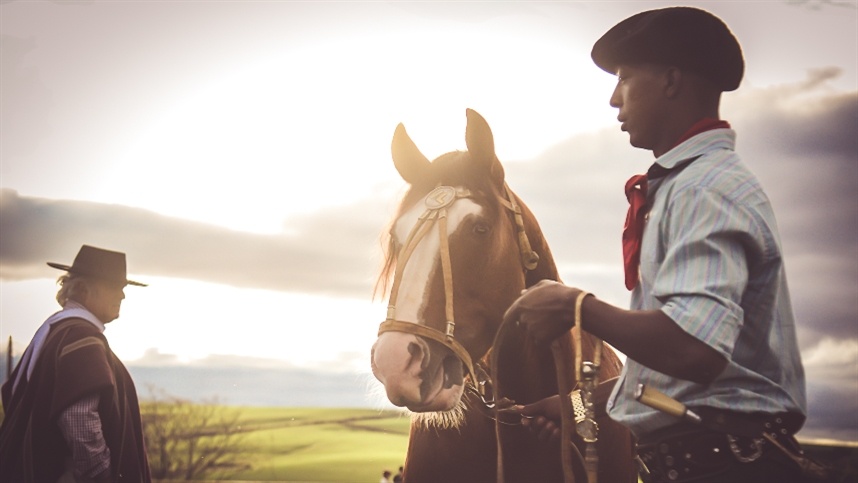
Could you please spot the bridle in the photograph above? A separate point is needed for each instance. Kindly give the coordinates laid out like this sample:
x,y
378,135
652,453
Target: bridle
x,y
437,203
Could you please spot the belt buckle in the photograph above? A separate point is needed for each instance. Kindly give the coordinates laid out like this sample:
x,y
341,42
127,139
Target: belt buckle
x,y
756,446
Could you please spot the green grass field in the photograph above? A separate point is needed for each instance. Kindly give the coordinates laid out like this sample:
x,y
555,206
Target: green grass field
x,y
324,445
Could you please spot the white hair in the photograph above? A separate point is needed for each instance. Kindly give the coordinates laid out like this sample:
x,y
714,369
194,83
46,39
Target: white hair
x,y
72,287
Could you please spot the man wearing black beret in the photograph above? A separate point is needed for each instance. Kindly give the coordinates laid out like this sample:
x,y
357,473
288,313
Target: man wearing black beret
x,y
711,324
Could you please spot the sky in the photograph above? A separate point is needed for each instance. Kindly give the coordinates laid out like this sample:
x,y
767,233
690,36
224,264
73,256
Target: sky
x,y
239,153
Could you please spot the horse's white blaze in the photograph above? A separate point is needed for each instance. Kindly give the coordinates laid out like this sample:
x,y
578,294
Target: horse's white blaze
x,y
416,276
400,370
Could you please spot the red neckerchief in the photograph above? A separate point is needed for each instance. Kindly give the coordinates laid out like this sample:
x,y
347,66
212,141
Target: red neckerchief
x,y
636,189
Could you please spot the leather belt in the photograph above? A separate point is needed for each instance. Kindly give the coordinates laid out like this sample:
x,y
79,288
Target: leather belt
x,y
684,452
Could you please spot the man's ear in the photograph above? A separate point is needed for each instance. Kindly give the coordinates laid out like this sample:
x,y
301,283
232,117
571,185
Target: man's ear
x,y
672,82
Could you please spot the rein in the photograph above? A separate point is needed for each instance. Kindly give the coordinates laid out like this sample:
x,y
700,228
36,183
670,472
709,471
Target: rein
x,y
587,373
580,402
437,202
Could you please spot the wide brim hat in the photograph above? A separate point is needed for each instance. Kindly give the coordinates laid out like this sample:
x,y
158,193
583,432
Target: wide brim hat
x,y
683,37
100,264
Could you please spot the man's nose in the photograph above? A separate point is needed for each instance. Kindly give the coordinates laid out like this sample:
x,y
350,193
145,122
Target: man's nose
x,y
616,99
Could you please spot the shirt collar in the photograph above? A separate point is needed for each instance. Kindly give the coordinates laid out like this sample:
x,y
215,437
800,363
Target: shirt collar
x,y
696,146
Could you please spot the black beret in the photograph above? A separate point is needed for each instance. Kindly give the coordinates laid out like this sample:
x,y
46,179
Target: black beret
x,y
684,37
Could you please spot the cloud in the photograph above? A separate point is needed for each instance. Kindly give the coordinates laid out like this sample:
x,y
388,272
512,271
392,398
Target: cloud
x,y
832,365
800,140
155,358
819,4
333,253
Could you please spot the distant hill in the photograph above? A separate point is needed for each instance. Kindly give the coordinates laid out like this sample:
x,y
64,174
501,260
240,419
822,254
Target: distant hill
x,y
239,385
249,386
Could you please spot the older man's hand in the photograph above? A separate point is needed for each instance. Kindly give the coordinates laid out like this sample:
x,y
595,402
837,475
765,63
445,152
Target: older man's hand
x,y
545,311
541,418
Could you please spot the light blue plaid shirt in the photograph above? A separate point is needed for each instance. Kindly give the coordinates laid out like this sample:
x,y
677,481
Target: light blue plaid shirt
x,y
711,260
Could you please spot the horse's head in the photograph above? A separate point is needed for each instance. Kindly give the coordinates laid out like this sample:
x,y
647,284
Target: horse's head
x,y
459,256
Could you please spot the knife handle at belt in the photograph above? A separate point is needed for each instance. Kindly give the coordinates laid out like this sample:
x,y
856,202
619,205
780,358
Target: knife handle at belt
x,y
664,403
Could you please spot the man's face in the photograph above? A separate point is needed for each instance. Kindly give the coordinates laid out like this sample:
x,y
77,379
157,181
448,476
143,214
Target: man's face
x,y
639,98
104,299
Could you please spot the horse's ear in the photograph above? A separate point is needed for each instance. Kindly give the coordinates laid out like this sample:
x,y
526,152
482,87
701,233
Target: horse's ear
x,y
481,145
409,161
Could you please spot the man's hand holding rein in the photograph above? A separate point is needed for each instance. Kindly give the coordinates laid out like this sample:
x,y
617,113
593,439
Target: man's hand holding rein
x,y
545,311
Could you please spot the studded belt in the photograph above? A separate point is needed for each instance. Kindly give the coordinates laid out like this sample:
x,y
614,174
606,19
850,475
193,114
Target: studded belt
x,y
685,452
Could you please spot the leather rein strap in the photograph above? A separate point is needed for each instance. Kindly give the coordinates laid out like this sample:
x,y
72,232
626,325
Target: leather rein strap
x,y
437,202
586,374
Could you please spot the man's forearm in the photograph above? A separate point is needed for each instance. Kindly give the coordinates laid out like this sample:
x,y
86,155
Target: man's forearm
x,y
653,339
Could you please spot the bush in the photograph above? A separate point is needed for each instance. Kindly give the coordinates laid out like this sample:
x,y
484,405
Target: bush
x,y
186,441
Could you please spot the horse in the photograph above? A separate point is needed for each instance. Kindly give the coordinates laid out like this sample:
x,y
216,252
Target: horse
x,y
462,247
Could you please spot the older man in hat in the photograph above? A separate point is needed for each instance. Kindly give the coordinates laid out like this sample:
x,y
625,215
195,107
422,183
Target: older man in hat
x,y
71,411
710,324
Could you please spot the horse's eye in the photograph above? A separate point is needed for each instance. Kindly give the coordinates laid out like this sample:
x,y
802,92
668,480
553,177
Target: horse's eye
x,y
481,228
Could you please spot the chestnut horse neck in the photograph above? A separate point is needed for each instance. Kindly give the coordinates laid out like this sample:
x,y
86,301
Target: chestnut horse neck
x,y
437,202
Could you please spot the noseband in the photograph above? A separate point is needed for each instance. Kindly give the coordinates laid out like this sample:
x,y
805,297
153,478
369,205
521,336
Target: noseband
x,y
437,202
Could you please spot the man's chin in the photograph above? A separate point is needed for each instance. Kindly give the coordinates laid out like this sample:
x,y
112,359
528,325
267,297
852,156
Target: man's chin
x,y
637,143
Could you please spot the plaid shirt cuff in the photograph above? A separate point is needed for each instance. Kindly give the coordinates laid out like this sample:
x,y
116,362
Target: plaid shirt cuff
x,y
81,428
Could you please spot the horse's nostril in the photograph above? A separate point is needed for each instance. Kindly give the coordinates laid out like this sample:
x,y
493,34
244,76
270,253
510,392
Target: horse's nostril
x,y
419,352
